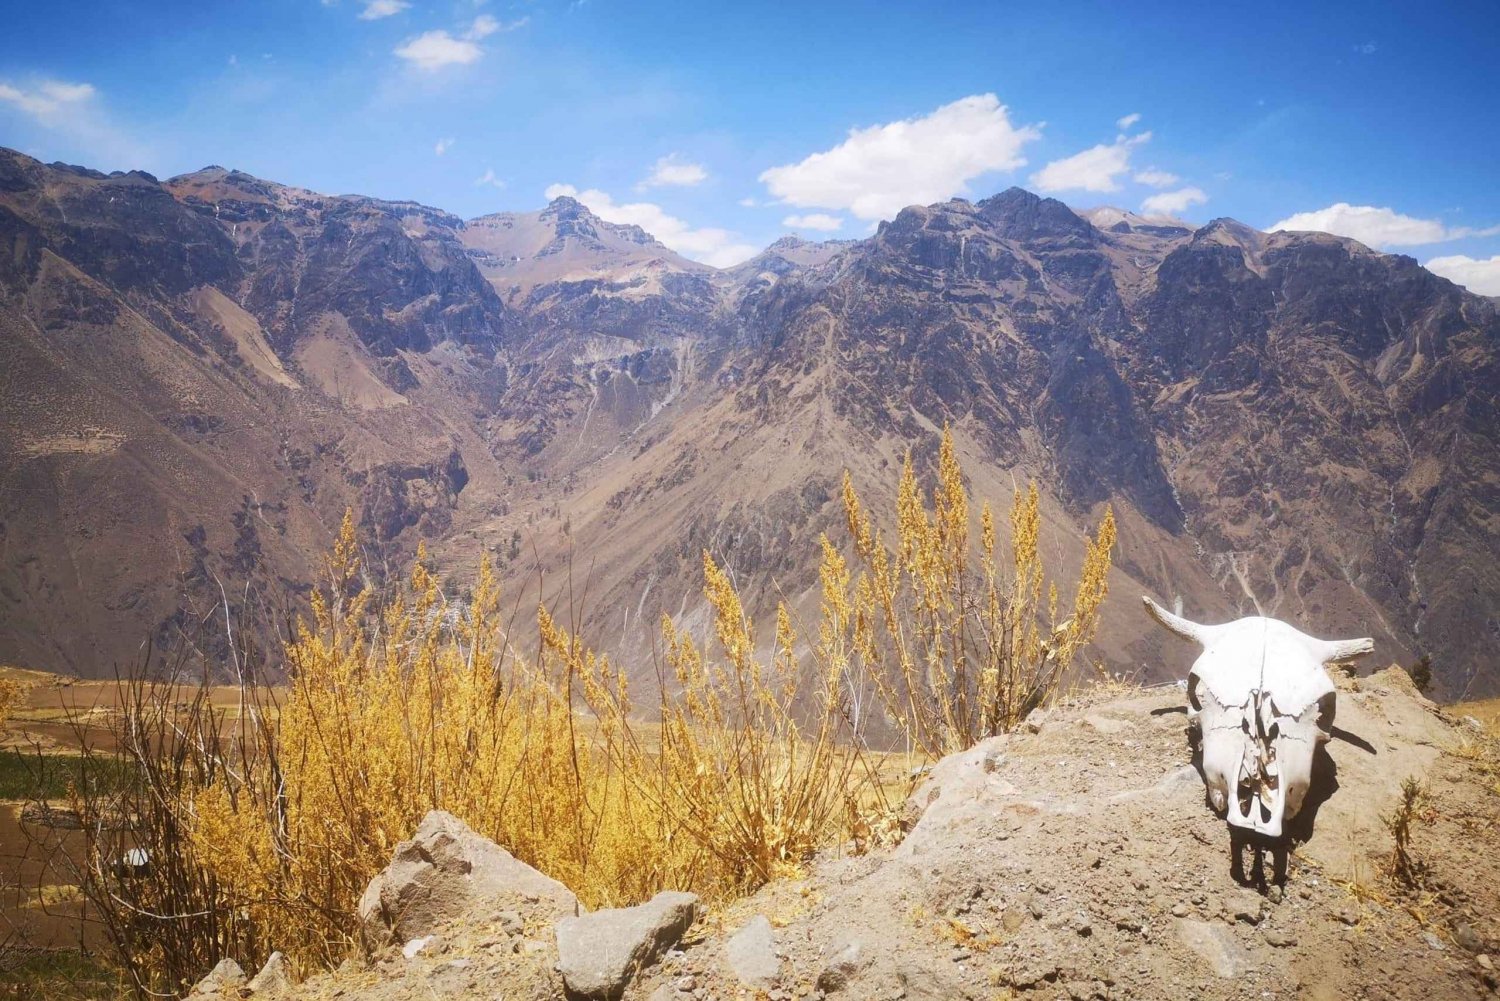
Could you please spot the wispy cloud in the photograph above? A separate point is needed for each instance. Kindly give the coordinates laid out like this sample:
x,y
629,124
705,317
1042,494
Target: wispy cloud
x,y
1378,226
1153,178
1097,168
489,179
1479,275
710,245
879,170
50,101
72,110
820,221
1128,121
377,9
673,171
442,146
1174,202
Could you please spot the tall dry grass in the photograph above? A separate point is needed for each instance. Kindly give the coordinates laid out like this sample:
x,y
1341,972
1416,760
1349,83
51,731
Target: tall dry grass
x,y
737,767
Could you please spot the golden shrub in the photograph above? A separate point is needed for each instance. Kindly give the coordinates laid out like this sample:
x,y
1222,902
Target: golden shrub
x,y
741,765
955,653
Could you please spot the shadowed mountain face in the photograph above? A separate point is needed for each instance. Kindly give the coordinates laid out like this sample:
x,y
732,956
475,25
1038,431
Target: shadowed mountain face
x,y
200,375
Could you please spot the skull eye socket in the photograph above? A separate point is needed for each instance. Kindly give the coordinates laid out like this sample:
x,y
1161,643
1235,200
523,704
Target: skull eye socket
x,y
1192,693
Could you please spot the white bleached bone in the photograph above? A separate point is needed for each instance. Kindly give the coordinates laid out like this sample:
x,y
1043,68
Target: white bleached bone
x,y
1263,702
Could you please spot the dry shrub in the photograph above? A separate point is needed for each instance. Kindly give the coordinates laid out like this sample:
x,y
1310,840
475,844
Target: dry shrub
x,y
956,646
1401,821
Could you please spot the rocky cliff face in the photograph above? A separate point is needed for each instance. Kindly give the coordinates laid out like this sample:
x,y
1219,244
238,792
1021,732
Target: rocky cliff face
x,y
204,372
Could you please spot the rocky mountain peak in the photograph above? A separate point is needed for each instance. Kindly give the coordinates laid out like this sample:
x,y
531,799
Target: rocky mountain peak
x,y
1021,215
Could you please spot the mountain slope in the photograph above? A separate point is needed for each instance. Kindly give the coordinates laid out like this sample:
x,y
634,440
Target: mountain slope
x,y
1289,421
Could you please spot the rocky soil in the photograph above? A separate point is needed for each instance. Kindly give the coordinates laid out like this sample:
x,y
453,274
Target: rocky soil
x,y
1074,859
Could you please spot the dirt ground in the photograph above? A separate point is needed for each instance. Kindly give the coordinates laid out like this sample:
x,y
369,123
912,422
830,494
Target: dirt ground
x,y
1081,861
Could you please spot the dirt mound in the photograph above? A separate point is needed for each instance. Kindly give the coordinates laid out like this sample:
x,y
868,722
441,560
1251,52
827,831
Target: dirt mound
x,y
1077,859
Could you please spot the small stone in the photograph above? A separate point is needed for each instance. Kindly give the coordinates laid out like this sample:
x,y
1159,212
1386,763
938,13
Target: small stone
x,y
687,984
1083,926
1275,894
226,976
1014,918
1179,910
1433,942
274,978
1277,937
1035,906
1349,916
1467,938
601,952
1245,906
1484,961
751,954
848,959
961,955
511,922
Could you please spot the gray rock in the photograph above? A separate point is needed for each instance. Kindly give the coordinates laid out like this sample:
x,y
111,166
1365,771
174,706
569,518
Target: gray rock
x,y
847,959
1215,945
225,979
600,953
751,954
274,978
1467,938
1433,942
445,871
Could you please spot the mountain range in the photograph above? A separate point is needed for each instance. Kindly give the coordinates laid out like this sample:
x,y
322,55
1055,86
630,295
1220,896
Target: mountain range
x,y
199,375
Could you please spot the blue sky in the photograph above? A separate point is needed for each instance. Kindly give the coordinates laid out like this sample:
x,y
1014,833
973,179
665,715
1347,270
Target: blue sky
x,y
722,126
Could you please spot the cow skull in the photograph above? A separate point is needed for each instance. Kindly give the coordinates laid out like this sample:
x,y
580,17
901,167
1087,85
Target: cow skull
x,y
1263,704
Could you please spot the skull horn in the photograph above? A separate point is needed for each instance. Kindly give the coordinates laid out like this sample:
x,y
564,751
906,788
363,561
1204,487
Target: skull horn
x,y
1335,651
1187,629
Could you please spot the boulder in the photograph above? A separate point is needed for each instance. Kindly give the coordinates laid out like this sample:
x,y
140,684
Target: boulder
x,y
751,954
600,953
447,871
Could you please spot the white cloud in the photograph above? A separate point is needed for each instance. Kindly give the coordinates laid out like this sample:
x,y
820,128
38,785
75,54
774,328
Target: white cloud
x,y
489,178
434,50
748,203
815,220
1128,121
1366,48
712,246
673,171
1479,276
880,170
376,9
1153,178
1095,169
1378,227
1173,202
442,146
